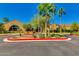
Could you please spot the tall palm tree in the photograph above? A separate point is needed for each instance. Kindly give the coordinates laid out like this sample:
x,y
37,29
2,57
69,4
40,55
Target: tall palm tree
x,y
53,11
46,10
61,12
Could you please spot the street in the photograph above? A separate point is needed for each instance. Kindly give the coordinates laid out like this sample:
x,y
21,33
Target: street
x,y
40,48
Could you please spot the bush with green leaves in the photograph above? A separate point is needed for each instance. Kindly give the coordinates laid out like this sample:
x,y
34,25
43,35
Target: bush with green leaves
x,y
50,36
57,35
5,31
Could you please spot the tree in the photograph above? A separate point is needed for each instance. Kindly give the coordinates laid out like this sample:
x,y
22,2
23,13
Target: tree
x,y
5,19
35,22
53,11
38,22
61,12
28,27
64,28
47,10
75,26
1,28
24,26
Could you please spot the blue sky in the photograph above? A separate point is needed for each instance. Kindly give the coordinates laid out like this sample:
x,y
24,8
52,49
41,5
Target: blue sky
x,y
24,12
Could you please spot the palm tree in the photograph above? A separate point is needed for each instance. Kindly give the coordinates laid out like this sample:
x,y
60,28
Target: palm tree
x,y
61,12
5,19
46,10
53,12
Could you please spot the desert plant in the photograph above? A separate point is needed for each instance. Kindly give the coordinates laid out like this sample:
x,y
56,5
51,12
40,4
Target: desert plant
x,y
61,12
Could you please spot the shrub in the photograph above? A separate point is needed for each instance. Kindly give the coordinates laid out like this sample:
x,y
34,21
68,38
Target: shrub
x,y
57,35
51,31
5,31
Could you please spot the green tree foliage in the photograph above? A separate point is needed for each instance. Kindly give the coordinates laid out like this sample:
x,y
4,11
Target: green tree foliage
x,y
27,27
5,19
1,28
47,10
38,21
74,26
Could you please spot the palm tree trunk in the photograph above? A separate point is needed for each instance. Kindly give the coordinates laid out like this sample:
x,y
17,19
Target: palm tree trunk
x,y
38,28
45,29
46,26
60,26
53,22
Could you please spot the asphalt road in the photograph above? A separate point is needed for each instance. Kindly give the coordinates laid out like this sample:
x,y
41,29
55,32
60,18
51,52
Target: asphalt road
x,y
45,48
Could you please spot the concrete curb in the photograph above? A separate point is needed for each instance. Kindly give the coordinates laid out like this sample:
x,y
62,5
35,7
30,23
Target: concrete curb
x,y
6,40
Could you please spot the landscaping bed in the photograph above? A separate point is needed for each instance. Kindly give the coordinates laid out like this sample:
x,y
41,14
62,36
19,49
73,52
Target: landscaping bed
x,y
53,37
37,37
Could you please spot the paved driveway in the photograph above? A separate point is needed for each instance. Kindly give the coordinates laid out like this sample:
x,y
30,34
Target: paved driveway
x,y
46,48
